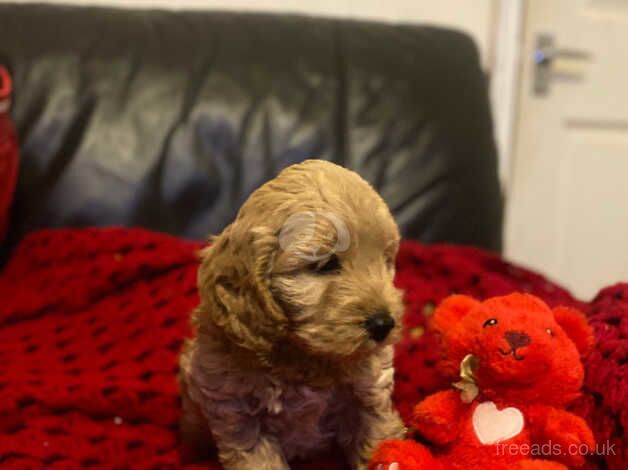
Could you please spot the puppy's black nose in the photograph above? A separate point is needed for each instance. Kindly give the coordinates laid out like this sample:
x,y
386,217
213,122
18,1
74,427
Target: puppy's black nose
x,y
517,339
379,325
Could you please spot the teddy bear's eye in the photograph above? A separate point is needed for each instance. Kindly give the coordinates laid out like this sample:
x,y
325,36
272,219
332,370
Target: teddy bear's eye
x,y
549,332
490,322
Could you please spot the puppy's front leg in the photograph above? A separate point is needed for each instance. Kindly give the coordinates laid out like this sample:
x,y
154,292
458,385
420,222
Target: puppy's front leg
x,y
265,454
239,437
374,426
239,443
375,416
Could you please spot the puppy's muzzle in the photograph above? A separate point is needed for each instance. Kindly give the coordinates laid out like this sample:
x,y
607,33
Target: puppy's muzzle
x,y
378,325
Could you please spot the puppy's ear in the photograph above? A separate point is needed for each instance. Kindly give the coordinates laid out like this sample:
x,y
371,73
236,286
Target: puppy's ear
x,y
574,323
234,286
451,311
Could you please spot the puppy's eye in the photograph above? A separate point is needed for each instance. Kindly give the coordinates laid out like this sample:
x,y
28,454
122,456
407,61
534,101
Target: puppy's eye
x,y
549,332
328,266
490,322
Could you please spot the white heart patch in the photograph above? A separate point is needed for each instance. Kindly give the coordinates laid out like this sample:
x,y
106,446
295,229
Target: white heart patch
x,y
492,425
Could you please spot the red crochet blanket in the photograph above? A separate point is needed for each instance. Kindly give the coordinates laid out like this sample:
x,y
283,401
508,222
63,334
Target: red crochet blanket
x,y
91,323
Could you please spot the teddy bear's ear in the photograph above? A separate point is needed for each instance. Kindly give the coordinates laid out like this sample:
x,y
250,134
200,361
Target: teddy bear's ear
x,y
451,311
574,323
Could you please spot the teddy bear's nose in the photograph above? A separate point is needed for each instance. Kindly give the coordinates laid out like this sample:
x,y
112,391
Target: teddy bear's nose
x,y
517,339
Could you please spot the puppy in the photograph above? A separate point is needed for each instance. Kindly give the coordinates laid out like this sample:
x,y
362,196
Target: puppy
x,y
293,348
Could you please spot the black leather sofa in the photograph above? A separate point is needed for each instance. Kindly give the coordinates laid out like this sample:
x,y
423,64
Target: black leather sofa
x,y
168,120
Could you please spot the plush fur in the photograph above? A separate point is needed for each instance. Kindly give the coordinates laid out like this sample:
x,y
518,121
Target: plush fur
x,y
527,357
282,365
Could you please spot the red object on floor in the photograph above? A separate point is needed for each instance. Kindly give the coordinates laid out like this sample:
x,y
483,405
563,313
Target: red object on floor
x,y
537,389
91,323
8,151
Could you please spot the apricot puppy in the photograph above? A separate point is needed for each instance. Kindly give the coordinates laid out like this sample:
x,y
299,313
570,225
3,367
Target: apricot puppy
x,y
293,348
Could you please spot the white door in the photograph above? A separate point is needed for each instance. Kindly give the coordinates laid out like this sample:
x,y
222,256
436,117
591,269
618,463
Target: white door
x,y
567,207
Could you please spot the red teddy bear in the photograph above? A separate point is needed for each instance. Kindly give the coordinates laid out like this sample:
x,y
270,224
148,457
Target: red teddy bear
x,y
520,366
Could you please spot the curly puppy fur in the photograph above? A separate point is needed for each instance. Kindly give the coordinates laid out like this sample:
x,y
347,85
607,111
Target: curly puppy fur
x,y
284,364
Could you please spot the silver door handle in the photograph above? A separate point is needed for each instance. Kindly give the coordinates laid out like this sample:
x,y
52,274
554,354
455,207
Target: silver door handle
x,y
546,56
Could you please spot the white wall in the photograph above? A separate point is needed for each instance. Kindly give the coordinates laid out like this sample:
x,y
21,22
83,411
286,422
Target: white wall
x,y
472,16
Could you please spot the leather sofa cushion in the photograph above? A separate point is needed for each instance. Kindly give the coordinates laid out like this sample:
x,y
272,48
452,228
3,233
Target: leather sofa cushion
x,y
168,120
